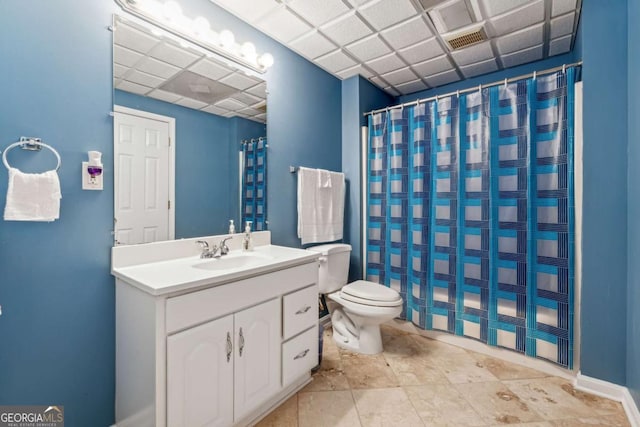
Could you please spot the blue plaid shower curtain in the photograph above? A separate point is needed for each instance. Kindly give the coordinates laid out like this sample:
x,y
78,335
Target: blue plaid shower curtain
x,y
254,184
471,213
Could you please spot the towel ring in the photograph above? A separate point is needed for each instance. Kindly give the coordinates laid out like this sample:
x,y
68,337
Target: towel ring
x,y
24,143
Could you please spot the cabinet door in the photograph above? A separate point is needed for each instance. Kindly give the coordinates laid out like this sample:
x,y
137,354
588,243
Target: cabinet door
x,y
200,375
257,356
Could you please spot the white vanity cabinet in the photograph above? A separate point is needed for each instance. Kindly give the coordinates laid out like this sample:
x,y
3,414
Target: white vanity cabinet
x,y
222,354
224,369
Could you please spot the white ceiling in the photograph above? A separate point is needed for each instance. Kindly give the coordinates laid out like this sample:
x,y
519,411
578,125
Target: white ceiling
x,y
400,44
157,65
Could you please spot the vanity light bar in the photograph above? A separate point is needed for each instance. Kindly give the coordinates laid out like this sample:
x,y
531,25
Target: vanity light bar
x,y
169,17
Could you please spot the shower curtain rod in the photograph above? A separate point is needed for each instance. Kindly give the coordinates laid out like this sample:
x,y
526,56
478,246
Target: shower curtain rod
x,y
458,92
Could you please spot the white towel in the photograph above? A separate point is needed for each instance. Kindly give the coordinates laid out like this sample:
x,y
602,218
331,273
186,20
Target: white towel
x,y
324,178
320,209
32,196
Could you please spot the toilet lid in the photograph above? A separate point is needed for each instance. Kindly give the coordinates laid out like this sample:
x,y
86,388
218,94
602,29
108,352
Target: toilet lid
x,y
370,293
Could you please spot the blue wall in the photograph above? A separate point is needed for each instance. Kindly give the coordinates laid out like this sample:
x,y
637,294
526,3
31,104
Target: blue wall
x,y
358,96
56,290
633,232
206,164
604,275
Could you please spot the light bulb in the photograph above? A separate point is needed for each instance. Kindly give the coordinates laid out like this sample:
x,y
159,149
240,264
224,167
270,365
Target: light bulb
x,y
248,50
227,38
266,60
171,10
201,26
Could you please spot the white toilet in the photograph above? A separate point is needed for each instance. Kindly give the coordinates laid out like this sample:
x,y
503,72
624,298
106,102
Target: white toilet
x,y
356,309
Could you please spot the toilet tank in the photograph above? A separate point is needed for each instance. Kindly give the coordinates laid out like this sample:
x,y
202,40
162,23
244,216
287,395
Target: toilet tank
x,y
334,266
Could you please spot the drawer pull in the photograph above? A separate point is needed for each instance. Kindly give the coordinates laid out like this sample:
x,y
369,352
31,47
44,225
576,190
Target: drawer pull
x,y
229,347
301,354
241,342
304,310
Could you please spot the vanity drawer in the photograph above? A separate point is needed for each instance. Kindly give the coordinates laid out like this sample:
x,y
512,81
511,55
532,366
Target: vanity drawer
x,y
299,355
299,311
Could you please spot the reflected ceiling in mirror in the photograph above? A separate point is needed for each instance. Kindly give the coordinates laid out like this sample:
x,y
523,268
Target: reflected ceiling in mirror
x,y
154,63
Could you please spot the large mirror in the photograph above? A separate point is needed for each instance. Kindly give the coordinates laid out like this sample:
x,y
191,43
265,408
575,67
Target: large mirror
x,y
189,138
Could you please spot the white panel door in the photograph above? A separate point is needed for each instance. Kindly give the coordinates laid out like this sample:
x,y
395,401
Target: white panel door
x,y
141,179
200,375
257,356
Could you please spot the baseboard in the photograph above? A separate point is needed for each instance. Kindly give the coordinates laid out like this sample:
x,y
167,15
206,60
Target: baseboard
x,y
610,391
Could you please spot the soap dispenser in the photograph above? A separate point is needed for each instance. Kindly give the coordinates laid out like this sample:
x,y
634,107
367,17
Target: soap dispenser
x,y
247,243
232,228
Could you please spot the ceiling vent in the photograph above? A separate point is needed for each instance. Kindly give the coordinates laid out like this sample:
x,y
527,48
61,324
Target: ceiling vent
x,y
463,39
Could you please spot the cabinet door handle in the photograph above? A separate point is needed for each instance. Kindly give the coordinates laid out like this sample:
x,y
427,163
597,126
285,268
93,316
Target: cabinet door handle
x,y
301,354
229,347
241,342
304,309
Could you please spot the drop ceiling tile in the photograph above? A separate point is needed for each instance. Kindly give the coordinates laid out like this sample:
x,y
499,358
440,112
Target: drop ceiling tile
x,y
249,10
144,79
132,87
318,12
561,45
245,98
522,57
443,78
163,95
210,69
411,87
369,48
472,54
249,112
562,25
259,90
119,70
313,45
157,68
497,7
391,91
230,104
191,103
401,76
134,39
213,109
335,61
433,66
239,81
126,57
523,17
560,7
386,63
383,13
451,16
479,68
173,55
283,25
346,29
376,80
354,71
261,117
357,3
422,51
407,33
519,40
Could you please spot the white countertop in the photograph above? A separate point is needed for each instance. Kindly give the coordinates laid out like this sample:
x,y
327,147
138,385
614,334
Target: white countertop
x,y
181,273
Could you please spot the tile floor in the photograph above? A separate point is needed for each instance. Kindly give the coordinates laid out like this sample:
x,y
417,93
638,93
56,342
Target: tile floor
x,y
417,381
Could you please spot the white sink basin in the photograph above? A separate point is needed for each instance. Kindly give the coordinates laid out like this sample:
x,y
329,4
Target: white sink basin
x,y
233,261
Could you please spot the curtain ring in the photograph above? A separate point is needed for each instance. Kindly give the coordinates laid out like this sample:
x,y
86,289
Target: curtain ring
x,y
564,68
458,93
480,88
534,75
505,82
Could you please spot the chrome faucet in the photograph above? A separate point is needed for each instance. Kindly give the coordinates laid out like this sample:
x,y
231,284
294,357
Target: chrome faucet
x,y
224,249
207,252
216,251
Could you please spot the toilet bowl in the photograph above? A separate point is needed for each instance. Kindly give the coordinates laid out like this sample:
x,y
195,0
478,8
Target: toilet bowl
x,y
357,309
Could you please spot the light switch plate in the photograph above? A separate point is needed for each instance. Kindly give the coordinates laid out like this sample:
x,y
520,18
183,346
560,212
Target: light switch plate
x,y
87,184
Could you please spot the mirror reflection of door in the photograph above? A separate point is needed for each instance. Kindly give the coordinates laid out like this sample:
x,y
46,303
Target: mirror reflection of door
x,y
143,177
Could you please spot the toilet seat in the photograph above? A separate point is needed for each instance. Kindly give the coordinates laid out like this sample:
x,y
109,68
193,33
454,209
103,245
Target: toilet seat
x,y
372,294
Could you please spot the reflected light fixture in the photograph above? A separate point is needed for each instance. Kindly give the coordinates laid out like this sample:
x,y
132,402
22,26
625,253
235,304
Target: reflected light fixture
x,y
169,17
